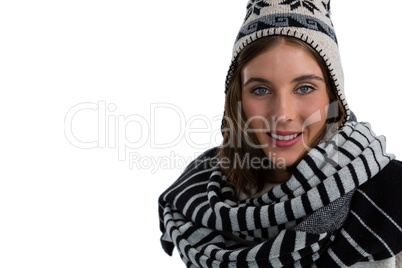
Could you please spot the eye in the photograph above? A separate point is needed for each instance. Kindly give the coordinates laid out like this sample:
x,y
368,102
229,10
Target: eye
x,y
304,90
260,91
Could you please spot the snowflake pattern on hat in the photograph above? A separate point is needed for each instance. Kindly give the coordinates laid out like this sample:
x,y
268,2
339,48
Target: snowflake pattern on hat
x,y
328,9
294,4
255,6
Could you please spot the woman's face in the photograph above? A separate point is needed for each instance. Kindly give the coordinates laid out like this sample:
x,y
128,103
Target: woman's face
x,y
284,97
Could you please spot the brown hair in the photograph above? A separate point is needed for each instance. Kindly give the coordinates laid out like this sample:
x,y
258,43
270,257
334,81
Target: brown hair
x,y
236,141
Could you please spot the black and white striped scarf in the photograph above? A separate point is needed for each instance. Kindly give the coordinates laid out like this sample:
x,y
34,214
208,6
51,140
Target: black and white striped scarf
x,y
295,224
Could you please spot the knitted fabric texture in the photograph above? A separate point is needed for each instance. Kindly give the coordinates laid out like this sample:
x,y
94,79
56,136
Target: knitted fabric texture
x,y
307,20
295,224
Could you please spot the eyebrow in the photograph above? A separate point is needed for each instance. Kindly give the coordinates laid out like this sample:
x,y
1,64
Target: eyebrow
x,y
256,79
296,80
307,77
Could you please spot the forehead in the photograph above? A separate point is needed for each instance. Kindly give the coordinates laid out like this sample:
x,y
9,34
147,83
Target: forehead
x,y
282,60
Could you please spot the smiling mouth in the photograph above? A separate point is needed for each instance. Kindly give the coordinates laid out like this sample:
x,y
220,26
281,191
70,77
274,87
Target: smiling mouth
x,y
284,137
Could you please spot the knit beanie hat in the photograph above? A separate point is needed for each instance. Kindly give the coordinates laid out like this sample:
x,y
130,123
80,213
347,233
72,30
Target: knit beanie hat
x,y
307,20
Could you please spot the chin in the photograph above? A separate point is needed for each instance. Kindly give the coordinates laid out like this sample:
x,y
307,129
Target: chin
x,y
283,160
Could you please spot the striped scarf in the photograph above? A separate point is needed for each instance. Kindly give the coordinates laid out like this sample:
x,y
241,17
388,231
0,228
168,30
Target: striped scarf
x,y
295,224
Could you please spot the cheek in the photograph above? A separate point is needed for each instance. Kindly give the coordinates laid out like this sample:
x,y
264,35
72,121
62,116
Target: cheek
x,y
255,111
313,109
315,114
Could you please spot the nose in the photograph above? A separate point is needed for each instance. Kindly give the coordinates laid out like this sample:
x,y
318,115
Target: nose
x,y
284,109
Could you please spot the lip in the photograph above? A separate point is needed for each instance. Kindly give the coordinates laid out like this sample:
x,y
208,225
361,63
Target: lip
x,y
284,143
285,133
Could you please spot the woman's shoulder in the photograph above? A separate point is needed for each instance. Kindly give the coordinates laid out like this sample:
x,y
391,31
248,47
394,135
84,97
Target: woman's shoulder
x,y
392,170
376,213
384,188
390,177
373,227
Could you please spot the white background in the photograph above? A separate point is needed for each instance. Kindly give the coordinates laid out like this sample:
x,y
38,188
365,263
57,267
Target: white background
x,y
65,206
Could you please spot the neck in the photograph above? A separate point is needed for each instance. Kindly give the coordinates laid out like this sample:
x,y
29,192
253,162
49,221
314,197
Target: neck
x,y
279,175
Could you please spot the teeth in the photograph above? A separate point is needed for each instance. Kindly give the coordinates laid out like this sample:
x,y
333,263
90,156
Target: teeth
x,y
283,138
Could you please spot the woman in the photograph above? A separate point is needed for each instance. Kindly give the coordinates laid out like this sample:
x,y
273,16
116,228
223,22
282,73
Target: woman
x,y
297,181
